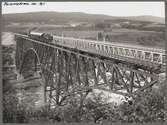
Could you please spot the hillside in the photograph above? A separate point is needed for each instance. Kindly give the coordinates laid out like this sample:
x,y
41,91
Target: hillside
x,y
53,17
142,30
146,18
65,17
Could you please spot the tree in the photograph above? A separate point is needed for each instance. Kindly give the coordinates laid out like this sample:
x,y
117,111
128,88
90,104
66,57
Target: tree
x,y
100,36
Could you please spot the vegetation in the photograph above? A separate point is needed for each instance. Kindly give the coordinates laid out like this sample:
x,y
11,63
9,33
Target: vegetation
x,y
7,52
145,27
157,40
142,109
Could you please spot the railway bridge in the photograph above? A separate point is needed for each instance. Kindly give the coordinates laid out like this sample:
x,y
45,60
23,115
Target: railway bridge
x,y
68,65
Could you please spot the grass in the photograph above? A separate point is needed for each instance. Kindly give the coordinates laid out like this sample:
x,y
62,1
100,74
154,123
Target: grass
x,y
122,35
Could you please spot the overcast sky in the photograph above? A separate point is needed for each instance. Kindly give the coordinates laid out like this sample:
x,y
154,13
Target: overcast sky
x,y
107,8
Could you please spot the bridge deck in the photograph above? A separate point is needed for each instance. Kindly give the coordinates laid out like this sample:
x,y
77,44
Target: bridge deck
x,y
103,55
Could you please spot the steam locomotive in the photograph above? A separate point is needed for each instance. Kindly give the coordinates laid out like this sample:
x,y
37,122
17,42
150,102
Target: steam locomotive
x,y
43,37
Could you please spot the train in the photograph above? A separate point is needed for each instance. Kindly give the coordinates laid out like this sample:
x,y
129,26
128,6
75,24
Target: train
x,y
109,49
44,37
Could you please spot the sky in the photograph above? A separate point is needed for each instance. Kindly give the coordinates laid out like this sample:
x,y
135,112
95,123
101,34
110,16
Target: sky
x,y
107,8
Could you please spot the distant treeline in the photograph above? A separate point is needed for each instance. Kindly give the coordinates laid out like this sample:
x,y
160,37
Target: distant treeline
x,y
145,27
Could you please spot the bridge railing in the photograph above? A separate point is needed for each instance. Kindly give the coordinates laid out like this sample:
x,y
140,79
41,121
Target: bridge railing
x,y
154,55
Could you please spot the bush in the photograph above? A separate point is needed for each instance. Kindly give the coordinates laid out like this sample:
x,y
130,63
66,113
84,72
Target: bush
x,y
13,112
142,109
147,108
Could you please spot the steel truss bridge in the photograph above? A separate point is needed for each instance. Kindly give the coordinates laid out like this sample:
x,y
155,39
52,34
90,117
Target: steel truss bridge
x,y
66,69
